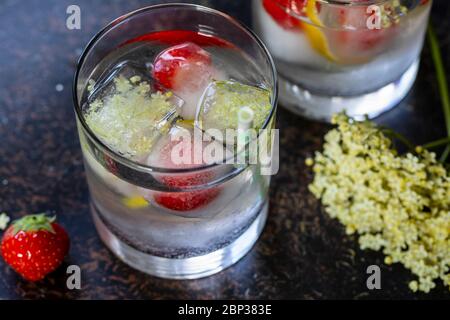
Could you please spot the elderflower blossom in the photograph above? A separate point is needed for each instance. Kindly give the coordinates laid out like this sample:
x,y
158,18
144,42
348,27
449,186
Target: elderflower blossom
x,y
4,220
397,204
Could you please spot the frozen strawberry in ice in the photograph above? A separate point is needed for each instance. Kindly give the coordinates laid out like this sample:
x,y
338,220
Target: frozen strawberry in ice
x,y
282,12
188,200
182,66
187,157
187,70
356,42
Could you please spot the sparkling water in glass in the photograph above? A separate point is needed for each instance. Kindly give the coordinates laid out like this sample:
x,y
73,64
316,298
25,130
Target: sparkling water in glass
x,y
148,78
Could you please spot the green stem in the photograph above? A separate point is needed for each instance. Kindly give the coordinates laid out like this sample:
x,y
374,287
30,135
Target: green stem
x,y
440,73
399,137
445,154
437,143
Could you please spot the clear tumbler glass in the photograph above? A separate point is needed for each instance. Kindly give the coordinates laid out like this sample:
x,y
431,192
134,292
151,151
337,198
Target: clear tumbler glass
x,y
361,56
173,222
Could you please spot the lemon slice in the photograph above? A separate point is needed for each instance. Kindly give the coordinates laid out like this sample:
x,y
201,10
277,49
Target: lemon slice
x,y
136,202
314,34
187,123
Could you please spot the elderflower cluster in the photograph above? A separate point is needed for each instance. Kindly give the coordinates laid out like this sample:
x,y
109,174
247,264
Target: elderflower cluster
x,y
131,117
397,204
4,220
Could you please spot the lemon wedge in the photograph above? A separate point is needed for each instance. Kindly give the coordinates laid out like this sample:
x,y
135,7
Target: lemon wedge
x,y
314,34
187,123
135,202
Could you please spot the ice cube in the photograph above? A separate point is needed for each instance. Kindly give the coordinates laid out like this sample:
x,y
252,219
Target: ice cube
x,y
182,148
222,102
193,87
128,111
185,146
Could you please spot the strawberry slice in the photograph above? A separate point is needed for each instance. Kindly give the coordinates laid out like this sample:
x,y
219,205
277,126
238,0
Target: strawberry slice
x,y
281,10
189,200
186,65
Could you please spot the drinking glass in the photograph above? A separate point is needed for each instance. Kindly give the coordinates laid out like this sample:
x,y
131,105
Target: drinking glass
x,y
164,241
360,56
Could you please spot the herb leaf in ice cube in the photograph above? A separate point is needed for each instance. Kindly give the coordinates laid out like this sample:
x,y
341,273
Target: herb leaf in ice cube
x,y
131,117
222,101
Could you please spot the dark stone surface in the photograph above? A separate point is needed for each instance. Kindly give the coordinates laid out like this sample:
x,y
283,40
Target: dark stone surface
x,y
303,254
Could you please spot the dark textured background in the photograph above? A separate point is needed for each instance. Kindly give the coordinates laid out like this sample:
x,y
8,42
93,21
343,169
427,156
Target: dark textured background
x,y
302,254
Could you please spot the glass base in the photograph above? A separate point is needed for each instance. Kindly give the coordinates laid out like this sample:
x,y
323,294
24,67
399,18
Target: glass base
x,y
317,107
189,268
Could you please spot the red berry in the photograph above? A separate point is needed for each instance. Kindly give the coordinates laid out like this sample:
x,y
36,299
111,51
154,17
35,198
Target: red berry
x,y
34,246
281,11
188,200
110,164
182,66
185,201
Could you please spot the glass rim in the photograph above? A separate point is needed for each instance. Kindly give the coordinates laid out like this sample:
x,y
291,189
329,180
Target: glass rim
x,y
117,21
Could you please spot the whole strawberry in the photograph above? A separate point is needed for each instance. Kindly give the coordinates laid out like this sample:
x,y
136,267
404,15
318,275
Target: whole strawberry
x,y
34,246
